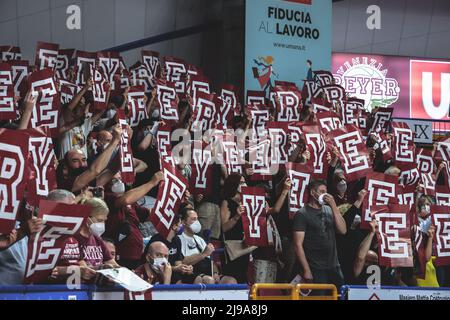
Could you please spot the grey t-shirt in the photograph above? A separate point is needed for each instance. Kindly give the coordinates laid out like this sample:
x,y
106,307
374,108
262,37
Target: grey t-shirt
x,y
320,238
13,262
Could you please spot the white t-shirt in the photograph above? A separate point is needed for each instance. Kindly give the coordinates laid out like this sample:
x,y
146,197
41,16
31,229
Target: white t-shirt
x,y
191,245
76,138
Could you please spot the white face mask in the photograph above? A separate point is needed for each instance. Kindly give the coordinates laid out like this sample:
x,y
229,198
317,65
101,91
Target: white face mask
x,y
341,186
356,222
320,199
427,208
110,113
158,262
195,227
97,228
155,113
118,187
105,145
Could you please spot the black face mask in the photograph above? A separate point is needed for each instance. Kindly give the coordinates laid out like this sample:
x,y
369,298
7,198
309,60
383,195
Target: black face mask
x,y
77,171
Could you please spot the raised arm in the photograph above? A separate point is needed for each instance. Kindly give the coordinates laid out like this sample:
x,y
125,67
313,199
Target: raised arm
x,y
28,105
135,194
282,198
339,222
99,164
364,247
77,98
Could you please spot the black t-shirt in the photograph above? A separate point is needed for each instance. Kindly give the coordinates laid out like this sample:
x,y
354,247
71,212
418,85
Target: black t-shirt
x,y
151,158
320,238
174,247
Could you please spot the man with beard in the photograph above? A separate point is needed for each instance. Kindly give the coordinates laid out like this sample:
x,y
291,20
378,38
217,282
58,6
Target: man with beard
x,y
73,173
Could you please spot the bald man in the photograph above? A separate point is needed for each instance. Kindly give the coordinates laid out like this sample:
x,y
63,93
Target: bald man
x,y
73,173
157,269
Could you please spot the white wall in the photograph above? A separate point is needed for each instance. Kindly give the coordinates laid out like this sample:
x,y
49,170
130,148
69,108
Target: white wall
x,y
105,23
408,27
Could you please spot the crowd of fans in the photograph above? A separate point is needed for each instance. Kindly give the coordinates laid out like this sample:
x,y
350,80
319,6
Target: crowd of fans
x,y
322,243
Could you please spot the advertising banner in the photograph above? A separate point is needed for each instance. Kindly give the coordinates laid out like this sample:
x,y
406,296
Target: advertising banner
x,y
415,88
278,33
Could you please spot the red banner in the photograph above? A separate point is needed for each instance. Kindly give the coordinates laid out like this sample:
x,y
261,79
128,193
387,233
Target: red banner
x,y
288,104
426,167
230,105
259,158
382,119
163,139
440,217
321,105
363,123
19,70
9,53
45,248
46,109
404,149
310,91
202,170
328,121
318,149
323,78
254,218
381,190
410,177
166,95
260,116
109,64
278,135
351,110
176,72
126,154
205,112
170,195
405,195
443,150
100,90
63,62
46,55
300,176
295,135
67,91
442,195
381,142
197,84
136,105
353,153
84,61
255,97
334,92
8,110
14,177
42,166
394,235
151,60
141,76
233,155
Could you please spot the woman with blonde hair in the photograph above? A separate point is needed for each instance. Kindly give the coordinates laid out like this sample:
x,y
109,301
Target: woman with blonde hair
x,y
94,251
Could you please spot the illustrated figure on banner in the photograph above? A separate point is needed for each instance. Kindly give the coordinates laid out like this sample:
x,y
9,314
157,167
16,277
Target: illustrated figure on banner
x,y
264,71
